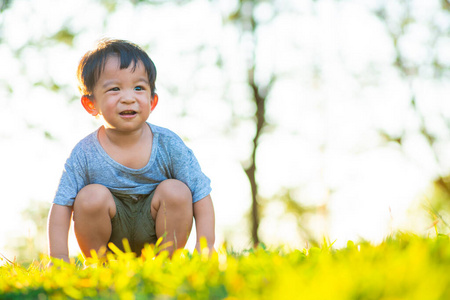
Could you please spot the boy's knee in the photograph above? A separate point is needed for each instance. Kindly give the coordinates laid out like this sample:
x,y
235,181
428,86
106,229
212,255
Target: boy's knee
x,y
174,192
93,198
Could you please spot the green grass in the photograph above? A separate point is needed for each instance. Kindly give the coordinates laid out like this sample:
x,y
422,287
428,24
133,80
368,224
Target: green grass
x,y
403,267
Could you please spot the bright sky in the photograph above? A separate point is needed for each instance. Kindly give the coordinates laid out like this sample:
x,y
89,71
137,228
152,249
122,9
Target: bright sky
x,y
324,135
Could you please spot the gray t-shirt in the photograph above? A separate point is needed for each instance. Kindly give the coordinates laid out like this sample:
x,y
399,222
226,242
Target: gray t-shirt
x,y
170,159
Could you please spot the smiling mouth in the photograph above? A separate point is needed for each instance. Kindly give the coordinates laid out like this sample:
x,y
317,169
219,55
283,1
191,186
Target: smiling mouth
x,y
128,113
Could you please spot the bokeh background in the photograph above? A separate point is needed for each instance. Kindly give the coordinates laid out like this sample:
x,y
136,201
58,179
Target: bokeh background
x,y
314,119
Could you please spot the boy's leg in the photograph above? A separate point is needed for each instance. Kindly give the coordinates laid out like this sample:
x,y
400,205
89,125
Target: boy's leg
x,y
172,210
93,209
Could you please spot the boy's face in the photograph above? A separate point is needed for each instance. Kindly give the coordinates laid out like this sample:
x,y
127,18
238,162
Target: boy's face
x,y
122,96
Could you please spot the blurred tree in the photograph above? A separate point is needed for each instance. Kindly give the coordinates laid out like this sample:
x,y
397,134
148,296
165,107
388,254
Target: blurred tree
x,y
244,19
247,23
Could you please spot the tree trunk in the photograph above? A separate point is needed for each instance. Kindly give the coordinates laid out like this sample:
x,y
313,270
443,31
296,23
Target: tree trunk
x,y
259,98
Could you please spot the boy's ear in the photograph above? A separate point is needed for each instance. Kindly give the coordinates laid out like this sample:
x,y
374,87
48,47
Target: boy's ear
x,y
88,105
154,102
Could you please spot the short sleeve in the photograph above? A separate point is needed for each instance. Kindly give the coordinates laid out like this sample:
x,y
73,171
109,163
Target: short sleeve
x,y
73,179
187,169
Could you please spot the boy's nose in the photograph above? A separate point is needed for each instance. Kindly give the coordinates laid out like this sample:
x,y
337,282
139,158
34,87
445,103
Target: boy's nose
x,y
127,98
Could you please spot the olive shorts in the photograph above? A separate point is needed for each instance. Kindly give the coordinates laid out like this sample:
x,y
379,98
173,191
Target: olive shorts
x,y
133,221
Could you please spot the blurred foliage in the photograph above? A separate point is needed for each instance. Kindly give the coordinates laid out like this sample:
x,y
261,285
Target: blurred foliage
x,y
445,4
438,204
111,5
399,27
402,267
436,67
50,85
28,247
64,36
4,4
302,213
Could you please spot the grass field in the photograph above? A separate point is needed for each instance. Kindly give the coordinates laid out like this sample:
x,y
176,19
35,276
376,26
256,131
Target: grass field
x,y
402,267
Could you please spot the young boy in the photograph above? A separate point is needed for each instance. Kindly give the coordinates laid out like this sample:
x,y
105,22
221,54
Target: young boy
x,y
129,179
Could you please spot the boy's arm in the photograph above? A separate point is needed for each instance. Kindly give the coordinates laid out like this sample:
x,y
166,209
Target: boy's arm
x,y
58,231
205,221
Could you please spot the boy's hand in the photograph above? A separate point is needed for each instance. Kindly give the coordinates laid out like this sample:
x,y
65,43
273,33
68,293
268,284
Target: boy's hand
x,y
58,231
64,258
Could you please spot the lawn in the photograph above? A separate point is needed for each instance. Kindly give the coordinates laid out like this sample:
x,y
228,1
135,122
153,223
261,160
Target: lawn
x,y
402,267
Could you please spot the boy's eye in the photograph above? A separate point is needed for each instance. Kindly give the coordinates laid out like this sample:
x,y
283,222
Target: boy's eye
x,y
139,88
114,89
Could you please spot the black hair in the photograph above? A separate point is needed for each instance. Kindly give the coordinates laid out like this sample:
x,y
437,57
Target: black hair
x,y
93,63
